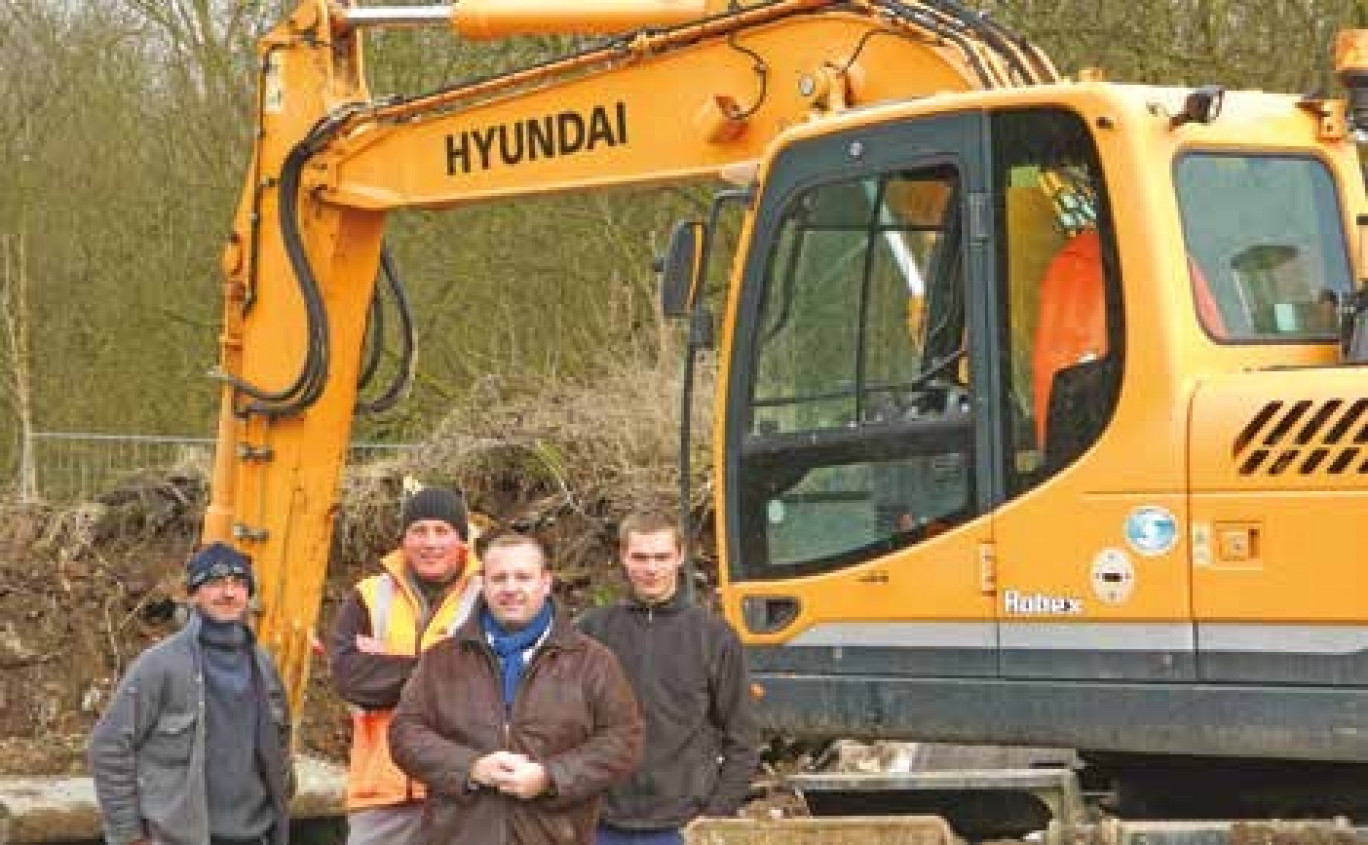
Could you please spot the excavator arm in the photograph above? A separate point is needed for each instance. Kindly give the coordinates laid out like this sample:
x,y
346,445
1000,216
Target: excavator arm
x,y
685,93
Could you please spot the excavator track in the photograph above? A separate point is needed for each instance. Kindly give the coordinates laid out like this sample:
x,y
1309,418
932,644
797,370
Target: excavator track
x,y
932,830
1002,805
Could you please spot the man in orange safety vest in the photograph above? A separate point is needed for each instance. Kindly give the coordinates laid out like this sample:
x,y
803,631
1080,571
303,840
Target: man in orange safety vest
x,y
426,589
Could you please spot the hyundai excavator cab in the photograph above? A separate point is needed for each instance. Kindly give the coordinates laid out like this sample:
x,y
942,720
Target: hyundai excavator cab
x,y
1033,424
1034,427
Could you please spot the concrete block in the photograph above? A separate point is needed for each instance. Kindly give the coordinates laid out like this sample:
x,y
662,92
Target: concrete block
x,y
831,830
63,809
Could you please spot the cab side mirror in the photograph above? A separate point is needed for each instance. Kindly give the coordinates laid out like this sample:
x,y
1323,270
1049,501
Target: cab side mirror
x,y
681,269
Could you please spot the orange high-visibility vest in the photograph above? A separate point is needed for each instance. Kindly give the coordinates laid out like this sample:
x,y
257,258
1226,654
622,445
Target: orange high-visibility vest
x,y
372,779
1073,317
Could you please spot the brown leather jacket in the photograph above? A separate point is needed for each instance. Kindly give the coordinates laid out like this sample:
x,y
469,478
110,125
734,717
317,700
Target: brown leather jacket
x,y
574,713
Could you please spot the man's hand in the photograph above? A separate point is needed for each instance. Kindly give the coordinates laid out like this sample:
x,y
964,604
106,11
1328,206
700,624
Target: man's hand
x,y
370,645
496,769
527,780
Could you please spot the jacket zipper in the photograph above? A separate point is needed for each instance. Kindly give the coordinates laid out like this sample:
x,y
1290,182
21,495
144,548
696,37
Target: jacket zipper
x,y
498,677
527,676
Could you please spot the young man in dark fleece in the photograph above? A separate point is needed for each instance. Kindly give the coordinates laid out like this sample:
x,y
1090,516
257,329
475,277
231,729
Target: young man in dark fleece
x,y
686,667
194,748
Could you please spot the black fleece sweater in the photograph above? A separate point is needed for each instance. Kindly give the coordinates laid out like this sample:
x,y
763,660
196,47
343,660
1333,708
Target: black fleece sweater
x,y
688,672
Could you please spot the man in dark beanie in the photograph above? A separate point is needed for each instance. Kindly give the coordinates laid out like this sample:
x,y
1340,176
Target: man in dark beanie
x,y
425,589
194,748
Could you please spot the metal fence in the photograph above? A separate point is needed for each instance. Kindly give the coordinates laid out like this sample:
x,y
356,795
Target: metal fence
x,y
78,466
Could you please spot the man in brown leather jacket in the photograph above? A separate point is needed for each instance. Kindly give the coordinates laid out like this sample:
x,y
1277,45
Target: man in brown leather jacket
x,y
517,723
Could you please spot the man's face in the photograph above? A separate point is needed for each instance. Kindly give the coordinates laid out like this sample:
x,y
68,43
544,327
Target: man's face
x,y
222,599
652,561
516,584
434,550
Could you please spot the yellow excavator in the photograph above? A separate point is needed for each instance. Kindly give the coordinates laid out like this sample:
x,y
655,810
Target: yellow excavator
x,y
1040,417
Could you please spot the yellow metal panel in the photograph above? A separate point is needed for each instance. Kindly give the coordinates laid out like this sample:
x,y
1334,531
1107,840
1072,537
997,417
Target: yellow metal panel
x,y
1280,489
937,580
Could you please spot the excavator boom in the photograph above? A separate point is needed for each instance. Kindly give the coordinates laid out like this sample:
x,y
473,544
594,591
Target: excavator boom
x,y
679,91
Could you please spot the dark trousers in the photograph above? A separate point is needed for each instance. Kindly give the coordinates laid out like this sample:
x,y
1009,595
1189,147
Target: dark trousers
x,y
609,835
264,839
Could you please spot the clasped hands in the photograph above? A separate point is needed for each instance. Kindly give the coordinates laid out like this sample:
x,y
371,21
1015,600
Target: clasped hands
x,y
370,645
510,773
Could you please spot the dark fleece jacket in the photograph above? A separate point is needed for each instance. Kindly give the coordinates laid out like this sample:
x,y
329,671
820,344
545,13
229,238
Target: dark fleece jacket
x,y
688,671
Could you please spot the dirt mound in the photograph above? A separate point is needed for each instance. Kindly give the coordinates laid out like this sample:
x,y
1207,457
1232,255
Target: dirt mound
x,y
82,591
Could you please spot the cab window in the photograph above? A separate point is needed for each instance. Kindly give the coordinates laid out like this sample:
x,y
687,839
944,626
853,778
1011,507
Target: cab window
x,y
1263,271
1060,293
858,430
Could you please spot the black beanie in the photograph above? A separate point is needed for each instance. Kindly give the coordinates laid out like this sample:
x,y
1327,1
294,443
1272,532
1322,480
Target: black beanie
x,y
436,503
218,560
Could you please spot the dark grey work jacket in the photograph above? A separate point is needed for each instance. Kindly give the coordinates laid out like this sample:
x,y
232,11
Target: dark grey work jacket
x,y
147,750
687,669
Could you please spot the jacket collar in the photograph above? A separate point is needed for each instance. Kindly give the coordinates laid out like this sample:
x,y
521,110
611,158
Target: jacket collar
x,y
673,604
395,564
193,623
189,633
560,636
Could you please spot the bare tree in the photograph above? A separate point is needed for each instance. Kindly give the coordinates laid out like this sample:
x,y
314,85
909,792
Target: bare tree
x,y
16,376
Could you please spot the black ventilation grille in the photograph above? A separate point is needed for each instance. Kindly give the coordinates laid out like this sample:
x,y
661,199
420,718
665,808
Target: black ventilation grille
x,y
1329,437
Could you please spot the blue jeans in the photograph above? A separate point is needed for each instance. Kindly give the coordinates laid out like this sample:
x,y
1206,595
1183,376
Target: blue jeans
x,y
608,835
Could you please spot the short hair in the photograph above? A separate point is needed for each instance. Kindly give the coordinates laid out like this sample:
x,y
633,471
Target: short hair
x,y
512,540
649,522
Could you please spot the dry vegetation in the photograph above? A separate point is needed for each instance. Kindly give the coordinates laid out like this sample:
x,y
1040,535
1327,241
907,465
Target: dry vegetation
x,y
84,588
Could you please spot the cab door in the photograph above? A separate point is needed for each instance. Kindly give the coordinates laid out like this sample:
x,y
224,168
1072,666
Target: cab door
x,y
1092,583
855,509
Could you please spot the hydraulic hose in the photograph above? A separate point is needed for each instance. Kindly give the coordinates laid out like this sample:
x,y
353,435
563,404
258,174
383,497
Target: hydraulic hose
x,y
375,342
985,30
989,32
309,383
399,386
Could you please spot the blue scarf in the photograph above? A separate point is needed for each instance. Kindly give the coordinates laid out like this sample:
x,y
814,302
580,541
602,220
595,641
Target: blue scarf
x,y
509,646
